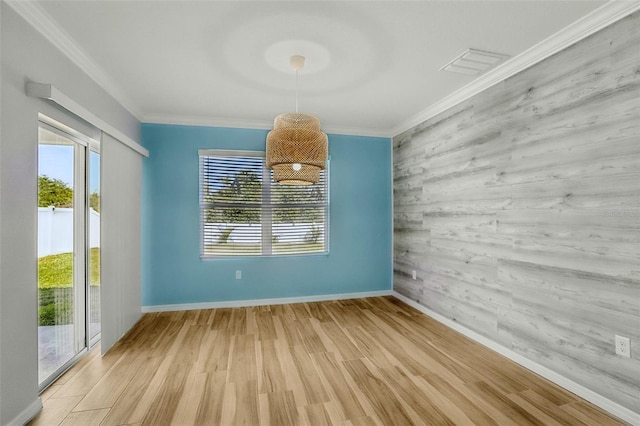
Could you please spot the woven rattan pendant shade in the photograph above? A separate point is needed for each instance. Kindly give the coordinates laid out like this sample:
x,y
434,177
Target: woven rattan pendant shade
x,y
296,147
307,175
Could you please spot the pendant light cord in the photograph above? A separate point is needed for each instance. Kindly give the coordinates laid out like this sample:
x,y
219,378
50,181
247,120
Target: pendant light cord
x,y
296,91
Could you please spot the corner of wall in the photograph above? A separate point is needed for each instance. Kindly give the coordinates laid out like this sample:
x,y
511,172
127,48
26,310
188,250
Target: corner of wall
x,y
518,210
27,414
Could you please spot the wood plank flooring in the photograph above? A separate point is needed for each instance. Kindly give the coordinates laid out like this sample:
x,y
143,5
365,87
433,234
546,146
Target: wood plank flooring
x,y
353,362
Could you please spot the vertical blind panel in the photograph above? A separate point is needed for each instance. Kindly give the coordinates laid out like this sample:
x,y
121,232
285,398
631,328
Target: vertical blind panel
x,y
120,258
245,213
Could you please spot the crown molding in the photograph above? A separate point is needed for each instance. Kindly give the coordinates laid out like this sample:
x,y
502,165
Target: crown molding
x,y
591,23
605,15
248,124
39,19
207,121
354,131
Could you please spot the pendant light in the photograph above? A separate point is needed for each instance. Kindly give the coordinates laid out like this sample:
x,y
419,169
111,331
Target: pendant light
x,y
296,147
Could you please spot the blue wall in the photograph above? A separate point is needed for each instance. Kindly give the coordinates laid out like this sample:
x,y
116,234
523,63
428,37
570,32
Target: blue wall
x,y
359,258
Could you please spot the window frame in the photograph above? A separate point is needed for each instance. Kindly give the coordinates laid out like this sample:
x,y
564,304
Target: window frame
x,y
266,221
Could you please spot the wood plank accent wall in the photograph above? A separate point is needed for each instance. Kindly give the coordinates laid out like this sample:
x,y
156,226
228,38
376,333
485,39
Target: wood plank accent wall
x,y
520,211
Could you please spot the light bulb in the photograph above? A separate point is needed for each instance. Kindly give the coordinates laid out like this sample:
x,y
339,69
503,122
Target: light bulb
x,y
296,167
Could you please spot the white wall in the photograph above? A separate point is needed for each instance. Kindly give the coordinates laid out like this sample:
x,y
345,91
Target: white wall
x,y
27,56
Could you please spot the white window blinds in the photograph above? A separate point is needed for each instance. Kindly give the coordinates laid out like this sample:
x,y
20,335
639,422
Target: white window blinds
x,y
243,212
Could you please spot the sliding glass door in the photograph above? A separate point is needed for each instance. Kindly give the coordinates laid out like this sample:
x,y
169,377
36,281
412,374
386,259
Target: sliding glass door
x,y
68,248
94,243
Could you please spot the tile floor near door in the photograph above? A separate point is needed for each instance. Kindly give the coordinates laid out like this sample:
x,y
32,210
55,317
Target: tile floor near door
x,y
352,362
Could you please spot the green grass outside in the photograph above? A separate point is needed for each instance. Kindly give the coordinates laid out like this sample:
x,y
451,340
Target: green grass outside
x,y
55,287
56,270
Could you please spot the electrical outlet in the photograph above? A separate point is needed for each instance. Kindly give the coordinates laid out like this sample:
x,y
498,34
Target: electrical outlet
x,y
238,275
623,347
413,275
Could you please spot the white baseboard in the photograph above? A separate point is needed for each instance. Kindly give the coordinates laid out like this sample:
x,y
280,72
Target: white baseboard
x,y
27,414
583,392
261,302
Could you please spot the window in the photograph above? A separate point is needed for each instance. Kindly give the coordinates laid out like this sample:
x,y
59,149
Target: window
x,y
243,212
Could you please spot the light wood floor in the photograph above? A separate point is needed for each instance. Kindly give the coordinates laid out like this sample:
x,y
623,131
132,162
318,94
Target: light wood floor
x,y
353,362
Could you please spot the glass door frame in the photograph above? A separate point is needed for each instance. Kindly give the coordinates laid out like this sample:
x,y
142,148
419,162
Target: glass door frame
x,y
83,145
93,146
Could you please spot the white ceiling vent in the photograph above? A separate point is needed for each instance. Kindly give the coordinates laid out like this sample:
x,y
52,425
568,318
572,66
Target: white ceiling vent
x,y
473,62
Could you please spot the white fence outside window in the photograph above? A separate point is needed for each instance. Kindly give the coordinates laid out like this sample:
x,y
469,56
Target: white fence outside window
x,y
55,230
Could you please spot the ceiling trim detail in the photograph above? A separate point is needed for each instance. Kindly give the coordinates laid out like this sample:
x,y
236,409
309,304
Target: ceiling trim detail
x,y
205,121
48,91
39,19
607,14
246,124
591,23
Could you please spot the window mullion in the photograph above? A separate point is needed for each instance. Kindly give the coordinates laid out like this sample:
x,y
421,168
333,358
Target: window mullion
x,y
267,212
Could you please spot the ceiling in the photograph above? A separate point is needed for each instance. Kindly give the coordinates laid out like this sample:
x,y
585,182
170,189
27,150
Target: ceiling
x,y
371,66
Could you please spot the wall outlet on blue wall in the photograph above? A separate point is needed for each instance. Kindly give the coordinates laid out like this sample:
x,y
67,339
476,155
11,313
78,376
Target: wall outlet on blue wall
x,y
238,274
